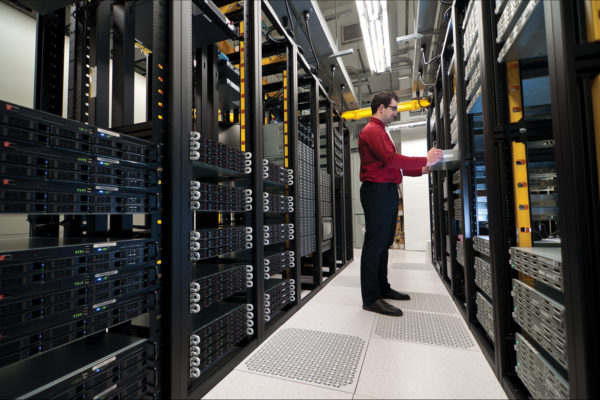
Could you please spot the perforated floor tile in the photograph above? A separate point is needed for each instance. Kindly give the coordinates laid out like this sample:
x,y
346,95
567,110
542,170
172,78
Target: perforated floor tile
x,y
429,302
419,327
320,358
423,267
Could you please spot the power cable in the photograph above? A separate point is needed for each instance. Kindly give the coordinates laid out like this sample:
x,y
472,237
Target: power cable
x,y
306,18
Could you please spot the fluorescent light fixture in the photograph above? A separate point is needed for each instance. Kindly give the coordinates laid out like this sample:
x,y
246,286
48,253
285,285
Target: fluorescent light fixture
x,y
373,17
412,36
342,53
406,125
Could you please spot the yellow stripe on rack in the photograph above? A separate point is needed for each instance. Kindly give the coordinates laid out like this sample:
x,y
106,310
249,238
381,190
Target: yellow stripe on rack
x,y
227,8
285,119
592,19
521,187
596,114
513,78
242,69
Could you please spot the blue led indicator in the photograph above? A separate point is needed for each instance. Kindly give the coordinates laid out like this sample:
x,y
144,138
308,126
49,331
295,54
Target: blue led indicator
x,y
98,279
97,370
97,308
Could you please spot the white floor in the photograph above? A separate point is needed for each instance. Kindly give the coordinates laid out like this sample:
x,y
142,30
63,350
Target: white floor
x,y
387,368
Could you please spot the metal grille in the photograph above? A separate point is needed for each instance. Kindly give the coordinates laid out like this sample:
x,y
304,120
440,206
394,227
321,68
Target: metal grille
x,y
321,358
425,267
417,327
429,302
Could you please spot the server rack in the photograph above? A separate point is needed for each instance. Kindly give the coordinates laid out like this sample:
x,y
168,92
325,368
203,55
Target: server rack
x,y
191,268
515,150
82,290
271,117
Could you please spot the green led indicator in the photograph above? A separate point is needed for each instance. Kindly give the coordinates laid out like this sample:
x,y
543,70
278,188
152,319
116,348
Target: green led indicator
x,y
78,315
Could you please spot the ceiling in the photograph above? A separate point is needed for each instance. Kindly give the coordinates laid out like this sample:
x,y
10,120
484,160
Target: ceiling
x,y
403,16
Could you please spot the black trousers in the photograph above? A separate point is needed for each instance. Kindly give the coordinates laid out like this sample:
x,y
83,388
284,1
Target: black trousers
x,y
380,204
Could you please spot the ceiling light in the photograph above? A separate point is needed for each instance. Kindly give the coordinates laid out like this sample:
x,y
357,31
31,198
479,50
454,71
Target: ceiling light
x,y
342,53
406,125
405,38
374,26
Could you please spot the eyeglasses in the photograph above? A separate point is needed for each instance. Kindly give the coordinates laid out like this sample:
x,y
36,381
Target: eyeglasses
x,y
393,108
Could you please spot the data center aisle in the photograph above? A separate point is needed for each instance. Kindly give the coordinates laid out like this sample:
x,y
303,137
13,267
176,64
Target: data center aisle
x,y
332,348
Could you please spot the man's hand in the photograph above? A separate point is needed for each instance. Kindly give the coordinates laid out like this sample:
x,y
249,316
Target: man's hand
x,y
434,156
425,170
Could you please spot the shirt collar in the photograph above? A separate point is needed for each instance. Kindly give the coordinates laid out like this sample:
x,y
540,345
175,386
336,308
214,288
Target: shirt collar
x,y
377,121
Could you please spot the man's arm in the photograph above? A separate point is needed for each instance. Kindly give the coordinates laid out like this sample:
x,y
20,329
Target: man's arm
x,y
383,149
413,172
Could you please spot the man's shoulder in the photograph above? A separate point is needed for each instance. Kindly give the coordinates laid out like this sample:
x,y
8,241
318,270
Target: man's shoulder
x,y
372,126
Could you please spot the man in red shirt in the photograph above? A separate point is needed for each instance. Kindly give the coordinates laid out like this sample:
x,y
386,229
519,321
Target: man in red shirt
x,y
381,170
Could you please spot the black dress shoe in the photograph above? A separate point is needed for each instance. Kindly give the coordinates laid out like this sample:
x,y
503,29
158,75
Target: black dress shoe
x,y
395,295
381,307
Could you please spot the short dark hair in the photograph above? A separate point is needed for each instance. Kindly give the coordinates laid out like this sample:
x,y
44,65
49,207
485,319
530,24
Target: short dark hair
x,y
382,98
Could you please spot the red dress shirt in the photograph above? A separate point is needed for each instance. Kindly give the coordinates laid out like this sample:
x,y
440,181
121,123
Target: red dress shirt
x,y
379,160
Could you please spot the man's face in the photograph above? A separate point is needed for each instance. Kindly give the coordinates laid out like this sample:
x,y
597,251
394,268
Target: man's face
x,y
389,112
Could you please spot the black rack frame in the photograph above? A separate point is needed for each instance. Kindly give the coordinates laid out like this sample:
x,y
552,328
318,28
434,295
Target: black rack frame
x,y
572,63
